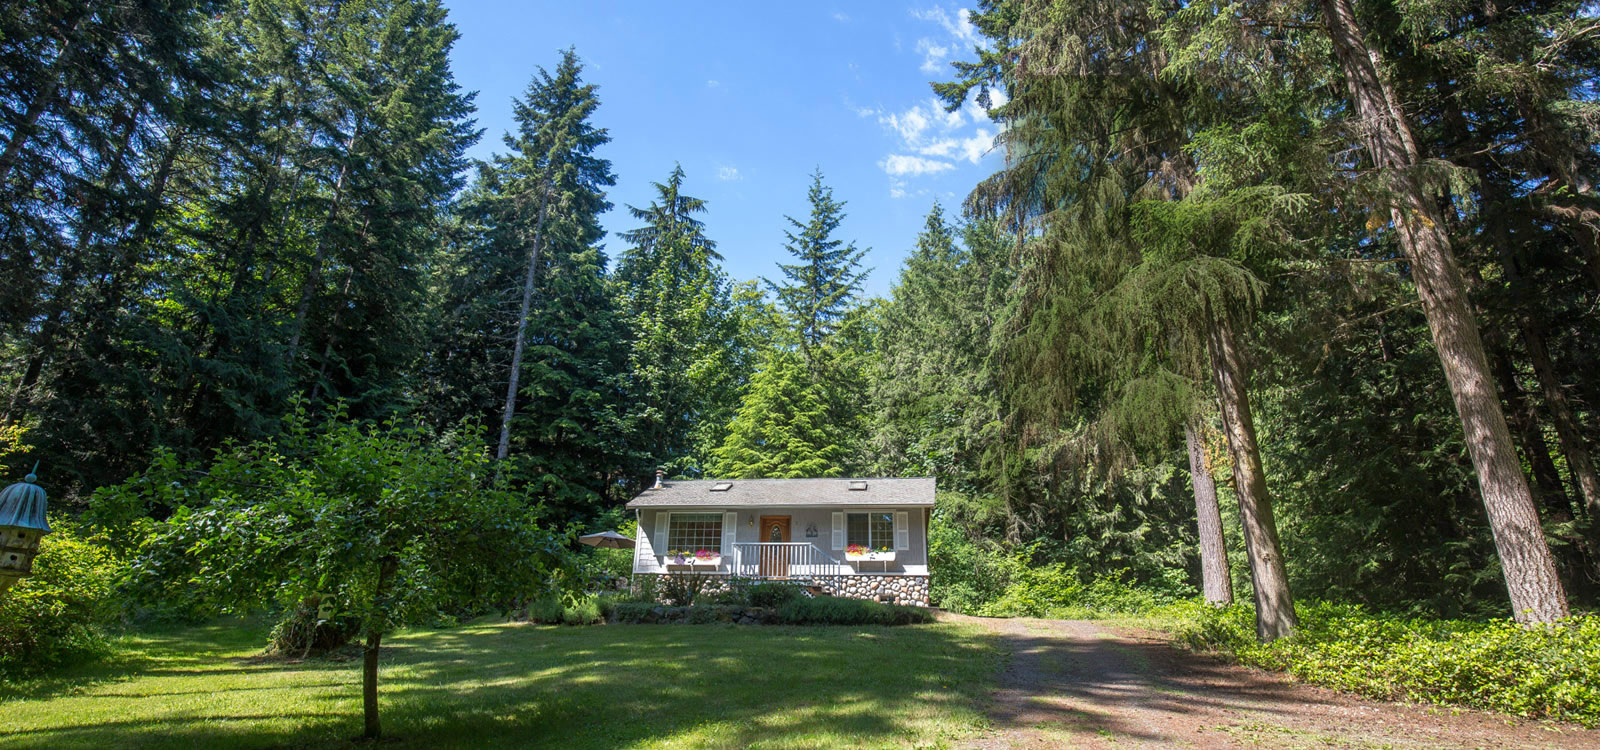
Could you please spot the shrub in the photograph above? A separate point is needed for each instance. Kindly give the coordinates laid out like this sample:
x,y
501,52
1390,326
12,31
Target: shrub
x,y
549,610
631,612
582,611
830,610
772,594
681,590
1542,671
57,615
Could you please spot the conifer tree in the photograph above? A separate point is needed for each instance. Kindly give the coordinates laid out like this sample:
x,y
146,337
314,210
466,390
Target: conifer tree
x,y
783,429
689,351
820,287
553,190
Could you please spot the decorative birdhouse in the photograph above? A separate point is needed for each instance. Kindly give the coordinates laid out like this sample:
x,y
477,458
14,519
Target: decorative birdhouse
x,y
22,523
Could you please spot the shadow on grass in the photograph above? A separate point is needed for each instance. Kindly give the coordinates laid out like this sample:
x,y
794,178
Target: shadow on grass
x,y
528,686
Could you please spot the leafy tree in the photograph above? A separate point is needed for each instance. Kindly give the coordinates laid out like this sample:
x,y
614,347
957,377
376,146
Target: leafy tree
x,y
387,524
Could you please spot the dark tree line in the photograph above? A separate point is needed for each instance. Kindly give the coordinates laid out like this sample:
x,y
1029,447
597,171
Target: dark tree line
x,y
1297,299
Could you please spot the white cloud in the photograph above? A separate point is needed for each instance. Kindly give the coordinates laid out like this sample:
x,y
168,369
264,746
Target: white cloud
x,y
713,84
959,26
729,174
973,149
933,55
840,17
901,165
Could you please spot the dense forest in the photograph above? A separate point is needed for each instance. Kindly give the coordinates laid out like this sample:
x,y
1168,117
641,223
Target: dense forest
x,y
1269,300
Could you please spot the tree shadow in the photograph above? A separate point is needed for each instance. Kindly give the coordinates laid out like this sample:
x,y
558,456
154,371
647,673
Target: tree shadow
x,y
604,686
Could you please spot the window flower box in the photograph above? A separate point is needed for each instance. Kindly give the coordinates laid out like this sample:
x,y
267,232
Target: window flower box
x,y
863,553
693,558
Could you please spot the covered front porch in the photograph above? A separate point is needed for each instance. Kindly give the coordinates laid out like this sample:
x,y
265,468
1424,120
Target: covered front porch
x,y
785,560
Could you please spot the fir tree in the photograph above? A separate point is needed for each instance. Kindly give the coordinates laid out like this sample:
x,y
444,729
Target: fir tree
x,y
783,429
689,352
820,288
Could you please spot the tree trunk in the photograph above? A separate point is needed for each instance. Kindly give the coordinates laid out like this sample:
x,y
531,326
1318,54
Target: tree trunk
x,y
378,621
1215,579
1579,461
313,279
522,329
1530,572
1525,421
42,101
1275,615
369,685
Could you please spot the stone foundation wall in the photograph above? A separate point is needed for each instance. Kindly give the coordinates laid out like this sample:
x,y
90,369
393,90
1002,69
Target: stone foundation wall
x,y
892,589
908,590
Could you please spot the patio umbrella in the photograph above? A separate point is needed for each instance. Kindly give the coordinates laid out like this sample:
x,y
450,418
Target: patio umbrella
x,y
607,539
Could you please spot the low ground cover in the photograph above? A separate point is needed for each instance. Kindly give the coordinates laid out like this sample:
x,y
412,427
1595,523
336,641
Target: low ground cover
x,y
1544,671
518,685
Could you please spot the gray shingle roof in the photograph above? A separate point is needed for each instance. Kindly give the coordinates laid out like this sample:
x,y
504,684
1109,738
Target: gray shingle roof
x,y
917,491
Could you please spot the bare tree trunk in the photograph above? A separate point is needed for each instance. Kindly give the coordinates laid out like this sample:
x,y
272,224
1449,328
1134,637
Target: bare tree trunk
x,y
1579,461
369,655
369,685
1530,572
1522,418
314,273
522,329
1216,581
1275,615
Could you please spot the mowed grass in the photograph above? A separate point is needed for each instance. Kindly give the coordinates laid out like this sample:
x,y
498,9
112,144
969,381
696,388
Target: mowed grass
x,y
513,685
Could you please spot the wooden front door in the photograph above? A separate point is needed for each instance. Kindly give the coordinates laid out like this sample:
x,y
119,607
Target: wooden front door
x,y
774,560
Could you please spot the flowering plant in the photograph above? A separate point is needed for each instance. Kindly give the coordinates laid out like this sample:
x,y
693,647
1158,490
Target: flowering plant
x,y
686,557
856,549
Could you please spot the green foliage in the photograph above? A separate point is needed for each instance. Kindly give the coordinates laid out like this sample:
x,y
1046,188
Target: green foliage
x,y
692,343
821,286
1540,671
683,590
772,594
59,614
835,610
784,428
385,524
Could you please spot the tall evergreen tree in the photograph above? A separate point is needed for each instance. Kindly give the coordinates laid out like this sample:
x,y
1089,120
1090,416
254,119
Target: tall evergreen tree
x,y
820,287
783,429
689,350
551,169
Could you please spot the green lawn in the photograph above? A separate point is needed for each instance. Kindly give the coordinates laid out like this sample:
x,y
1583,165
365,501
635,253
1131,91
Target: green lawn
x,y
526,686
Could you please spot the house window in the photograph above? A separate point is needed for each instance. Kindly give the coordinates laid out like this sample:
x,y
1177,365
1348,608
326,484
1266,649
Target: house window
x,y
689,533
870,530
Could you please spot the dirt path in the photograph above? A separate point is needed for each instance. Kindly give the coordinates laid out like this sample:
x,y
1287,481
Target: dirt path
x,y
1073,683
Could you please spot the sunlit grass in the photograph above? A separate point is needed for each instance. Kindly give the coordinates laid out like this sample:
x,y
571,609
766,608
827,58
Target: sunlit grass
x,y
499,684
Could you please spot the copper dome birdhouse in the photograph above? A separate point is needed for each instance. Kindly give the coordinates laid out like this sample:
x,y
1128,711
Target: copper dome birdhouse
x,y
22,523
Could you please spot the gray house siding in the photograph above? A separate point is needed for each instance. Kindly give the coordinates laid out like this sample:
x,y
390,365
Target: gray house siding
x,y
649,553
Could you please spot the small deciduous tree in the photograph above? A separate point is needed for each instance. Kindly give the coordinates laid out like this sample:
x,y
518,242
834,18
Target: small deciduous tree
x,y
387,525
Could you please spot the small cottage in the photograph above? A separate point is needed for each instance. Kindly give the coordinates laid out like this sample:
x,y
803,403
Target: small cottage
x,y
861,538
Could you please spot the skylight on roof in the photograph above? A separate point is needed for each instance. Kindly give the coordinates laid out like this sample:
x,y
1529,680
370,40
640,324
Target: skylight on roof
x,y
722,486
857,486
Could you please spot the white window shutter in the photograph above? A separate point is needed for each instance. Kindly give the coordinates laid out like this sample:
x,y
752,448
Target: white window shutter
x,y
730,527
902,530
661,532
838,531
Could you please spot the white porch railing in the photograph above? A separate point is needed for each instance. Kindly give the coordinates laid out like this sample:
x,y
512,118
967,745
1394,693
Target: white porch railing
x,y
783,560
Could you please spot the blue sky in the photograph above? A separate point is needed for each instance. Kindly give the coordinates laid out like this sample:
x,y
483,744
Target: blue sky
x,y
750,98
